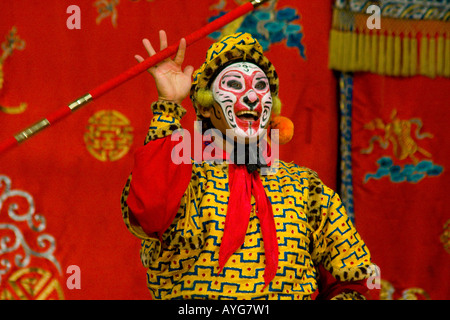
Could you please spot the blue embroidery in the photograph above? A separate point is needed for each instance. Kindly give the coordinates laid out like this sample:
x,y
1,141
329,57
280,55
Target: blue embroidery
x,y
408,173
270,27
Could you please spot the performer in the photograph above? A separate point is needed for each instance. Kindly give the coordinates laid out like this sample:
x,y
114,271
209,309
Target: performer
x,y
219,228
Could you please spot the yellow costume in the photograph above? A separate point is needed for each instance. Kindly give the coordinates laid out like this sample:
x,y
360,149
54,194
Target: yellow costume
x,y
312,228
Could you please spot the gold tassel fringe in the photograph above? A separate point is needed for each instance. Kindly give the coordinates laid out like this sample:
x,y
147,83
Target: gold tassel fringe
x,y
400,48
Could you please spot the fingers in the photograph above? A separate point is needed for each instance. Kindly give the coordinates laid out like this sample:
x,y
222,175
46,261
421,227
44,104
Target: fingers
x,y
148,46
179,58
162,40
138,58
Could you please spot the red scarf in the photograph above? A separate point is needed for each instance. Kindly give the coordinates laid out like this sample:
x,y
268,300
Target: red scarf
x,y
242,186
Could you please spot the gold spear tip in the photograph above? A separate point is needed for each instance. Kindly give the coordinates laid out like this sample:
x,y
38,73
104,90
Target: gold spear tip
x,y
257,3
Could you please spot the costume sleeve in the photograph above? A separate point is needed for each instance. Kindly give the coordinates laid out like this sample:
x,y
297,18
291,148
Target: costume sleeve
x,y
154,189
340,255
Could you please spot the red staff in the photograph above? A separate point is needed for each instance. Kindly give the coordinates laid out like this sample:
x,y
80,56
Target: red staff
x,y
125,76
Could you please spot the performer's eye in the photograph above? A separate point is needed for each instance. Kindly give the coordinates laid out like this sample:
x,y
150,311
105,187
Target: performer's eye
x,y
234,84
261,85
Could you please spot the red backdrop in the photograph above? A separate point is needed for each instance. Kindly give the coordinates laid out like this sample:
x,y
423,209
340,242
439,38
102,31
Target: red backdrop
x,y
72,174
400,185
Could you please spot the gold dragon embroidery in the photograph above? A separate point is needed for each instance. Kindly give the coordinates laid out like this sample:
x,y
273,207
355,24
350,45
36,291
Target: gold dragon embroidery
x,y
107,8
388,292
398,133
13,42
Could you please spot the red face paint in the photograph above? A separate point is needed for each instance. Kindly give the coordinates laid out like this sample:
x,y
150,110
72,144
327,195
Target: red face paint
x,y
242,90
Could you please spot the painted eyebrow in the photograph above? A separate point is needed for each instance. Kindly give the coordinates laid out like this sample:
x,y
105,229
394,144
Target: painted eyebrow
x,y
232,75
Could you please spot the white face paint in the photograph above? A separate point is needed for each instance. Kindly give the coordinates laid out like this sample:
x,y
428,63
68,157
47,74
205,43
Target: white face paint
x,y
242,90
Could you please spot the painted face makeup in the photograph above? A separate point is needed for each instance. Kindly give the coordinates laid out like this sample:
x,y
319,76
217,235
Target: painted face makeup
x,y
242,90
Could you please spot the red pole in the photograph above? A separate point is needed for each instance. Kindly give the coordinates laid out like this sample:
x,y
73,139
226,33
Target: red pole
x,y
125,76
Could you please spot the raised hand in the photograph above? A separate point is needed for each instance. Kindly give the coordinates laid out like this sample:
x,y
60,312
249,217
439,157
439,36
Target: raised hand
x,y
172,83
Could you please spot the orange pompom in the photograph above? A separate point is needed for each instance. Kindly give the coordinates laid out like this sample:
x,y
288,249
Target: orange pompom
x,y
285,128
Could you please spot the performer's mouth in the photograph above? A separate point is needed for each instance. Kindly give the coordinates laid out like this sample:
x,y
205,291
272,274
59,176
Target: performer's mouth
x,y
248,115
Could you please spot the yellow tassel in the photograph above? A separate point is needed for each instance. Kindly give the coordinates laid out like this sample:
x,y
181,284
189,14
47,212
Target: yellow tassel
x,y
360,59
353,51
406,51
332,50
424,55
447,56
339,47
440,56
382,54
389,54
367,52
432,57
397,54
346,51
374,55
276,105
413,55
205,97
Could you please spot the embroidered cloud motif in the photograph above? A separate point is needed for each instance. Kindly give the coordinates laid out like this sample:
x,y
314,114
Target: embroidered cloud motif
x,y
408,173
